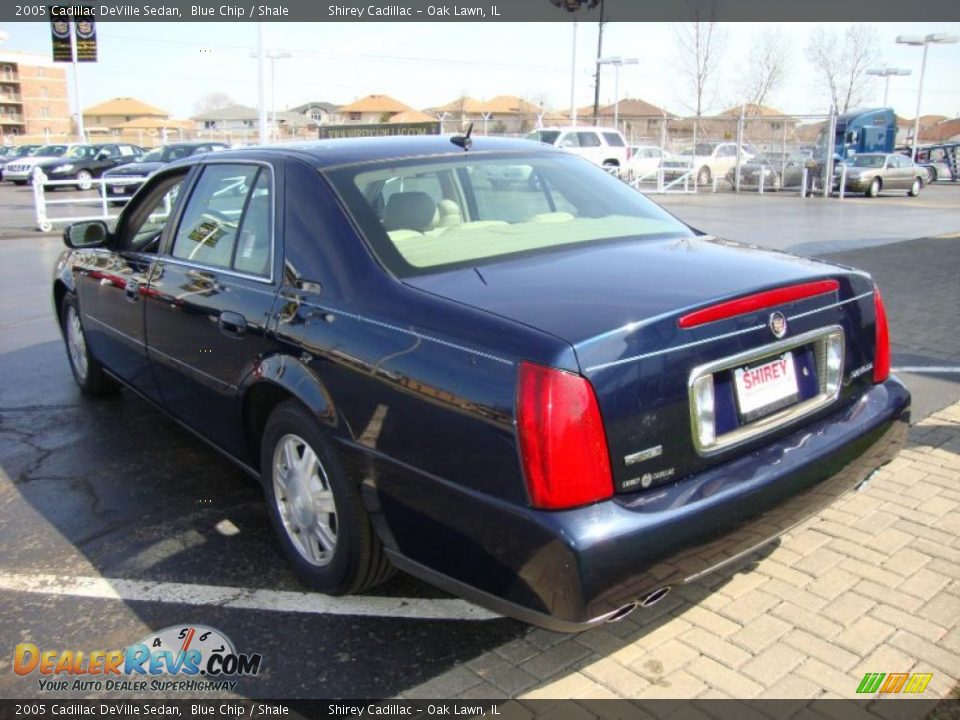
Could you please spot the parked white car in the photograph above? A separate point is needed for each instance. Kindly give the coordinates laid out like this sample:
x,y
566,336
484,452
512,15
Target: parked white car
x,y
602,146
645,161
707,160
19,171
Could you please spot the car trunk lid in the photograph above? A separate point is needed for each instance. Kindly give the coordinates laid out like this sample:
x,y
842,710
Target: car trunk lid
x,y
620,306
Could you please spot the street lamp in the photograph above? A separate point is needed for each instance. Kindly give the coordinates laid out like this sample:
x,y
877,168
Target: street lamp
x,y
886,73
617,62
926,41
273,56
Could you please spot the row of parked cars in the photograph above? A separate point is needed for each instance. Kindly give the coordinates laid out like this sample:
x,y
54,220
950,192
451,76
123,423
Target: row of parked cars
x,y
707,162
83,163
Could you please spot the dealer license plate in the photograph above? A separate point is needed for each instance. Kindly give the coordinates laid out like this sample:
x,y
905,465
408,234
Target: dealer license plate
x,y
762,389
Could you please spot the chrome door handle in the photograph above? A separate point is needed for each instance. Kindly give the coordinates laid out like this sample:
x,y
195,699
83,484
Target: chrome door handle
x,y
232,324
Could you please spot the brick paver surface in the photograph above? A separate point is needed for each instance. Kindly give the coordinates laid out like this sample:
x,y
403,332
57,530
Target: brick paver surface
x,y
870,585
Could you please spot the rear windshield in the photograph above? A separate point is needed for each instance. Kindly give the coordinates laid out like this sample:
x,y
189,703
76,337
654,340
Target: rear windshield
x,y
424,216
545,136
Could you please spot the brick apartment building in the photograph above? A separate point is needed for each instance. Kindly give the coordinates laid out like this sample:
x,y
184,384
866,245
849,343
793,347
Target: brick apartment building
x,y
33,97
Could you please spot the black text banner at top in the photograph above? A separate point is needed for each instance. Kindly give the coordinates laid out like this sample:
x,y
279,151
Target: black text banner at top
x,y
496,11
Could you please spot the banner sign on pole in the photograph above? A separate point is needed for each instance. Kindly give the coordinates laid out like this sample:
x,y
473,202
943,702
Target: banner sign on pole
x,y
60,35
85,29
86,39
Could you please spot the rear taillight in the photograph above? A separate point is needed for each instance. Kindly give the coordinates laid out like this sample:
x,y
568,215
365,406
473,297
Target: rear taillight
x,y
563,445
881,357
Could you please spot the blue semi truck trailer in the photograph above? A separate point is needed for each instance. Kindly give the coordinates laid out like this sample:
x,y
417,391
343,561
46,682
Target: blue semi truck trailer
x,y
863,131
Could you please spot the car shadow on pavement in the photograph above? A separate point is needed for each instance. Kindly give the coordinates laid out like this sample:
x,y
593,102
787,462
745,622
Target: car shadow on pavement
x,y
112,488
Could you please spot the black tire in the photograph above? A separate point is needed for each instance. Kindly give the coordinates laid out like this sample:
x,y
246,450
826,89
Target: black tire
x,y
19,182
703,176
357,561
932,171
875,186
86,369
915,188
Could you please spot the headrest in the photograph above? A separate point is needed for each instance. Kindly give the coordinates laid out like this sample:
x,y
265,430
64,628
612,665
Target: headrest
x,y
409,211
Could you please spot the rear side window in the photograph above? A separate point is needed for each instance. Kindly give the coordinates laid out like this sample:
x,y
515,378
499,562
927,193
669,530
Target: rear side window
x,y
614,139
588,139
226,222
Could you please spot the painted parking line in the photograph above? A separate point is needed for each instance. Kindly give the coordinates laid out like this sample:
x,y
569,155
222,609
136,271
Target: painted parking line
x,y
939,369
244,598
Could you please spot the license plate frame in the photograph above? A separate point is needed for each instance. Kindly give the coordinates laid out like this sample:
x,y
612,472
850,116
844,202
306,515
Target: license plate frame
x,y
766,386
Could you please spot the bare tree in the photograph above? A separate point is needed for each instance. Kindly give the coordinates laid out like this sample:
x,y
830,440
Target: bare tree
x,y
768,60
212,101
842,63
701,44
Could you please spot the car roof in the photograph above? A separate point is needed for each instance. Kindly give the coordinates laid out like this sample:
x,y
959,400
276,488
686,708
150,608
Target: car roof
x,y
350,151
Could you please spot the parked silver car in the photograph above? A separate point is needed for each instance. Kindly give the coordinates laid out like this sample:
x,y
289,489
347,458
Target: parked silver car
x,y
872,173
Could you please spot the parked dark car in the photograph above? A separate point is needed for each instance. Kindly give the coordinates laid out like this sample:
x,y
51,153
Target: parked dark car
x,y
133,174
872,173
83,163
755,173
551,398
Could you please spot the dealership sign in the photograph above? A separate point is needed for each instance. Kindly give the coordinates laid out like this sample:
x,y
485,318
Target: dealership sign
x,y
329,132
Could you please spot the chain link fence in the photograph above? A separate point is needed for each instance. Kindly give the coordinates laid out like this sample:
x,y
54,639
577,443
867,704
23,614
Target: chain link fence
x,y
729,153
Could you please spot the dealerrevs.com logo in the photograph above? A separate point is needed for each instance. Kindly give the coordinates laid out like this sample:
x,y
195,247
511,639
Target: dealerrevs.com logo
x,y
193,658
893,683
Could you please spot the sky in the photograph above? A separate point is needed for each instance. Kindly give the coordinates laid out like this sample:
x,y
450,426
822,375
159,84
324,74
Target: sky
x,y
173,65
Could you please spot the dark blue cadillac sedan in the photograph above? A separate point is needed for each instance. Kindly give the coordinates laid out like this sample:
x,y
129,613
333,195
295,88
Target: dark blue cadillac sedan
x,y
494,367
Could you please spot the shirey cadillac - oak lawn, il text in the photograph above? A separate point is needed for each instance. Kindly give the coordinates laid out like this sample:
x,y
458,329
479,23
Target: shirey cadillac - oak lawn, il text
x,y
546,395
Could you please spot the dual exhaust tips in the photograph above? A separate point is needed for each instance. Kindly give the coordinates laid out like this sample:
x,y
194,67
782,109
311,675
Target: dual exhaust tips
x,y
648,600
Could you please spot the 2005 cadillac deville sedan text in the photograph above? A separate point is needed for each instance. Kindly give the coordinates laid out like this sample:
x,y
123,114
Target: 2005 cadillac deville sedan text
x,y
548,396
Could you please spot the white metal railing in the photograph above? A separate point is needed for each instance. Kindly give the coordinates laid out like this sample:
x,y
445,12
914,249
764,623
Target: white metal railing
x,y
41,203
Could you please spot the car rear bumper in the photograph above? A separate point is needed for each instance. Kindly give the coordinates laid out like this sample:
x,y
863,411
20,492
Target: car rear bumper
x,y
572,569
122,189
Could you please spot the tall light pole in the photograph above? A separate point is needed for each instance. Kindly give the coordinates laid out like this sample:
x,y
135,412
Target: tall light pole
x,y
573,78
887,73
926,41
617,62
273,56
262,81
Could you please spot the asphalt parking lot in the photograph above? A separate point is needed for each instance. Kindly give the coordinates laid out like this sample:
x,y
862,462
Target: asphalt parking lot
x,y
113,489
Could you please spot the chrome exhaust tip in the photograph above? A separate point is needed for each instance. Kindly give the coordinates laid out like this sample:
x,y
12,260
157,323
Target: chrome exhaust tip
x,y
865,483
622,612
655,597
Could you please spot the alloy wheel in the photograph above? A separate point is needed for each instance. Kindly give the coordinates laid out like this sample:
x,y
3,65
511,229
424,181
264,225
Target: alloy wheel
x,y
304,500
77,344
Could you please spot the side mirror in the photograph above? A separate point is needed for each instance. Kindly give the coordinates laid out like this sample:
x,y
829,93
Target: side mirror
x,y
86,234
